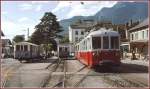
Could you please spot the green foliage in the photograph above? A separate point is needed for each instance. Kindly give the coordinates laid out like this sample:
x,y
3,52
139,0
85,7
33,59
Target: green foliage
x,y
47,30
47,46
18,38
65,40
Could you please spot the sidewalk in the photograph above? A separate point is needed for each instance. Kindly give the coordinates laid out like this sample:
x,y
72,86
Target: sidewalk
x,y
138,62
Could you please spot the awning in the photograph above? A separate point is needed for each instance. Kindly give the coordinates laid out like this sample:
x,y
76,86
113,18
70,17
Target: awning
x,y
138,43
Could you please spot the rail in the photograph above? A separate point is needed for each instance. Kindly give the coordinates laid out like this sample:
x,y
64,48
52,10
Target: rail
x,y
45,83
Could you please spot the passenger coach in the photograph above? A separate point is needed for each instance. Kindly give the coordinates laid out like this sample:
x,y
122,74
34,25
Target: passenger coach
x,y
100,47
26,51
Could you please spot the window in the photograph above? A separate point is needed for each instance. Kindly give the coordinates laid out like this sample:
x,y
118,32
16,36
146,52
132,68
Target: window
x,y
21,47
25,48
136,35
17,47
96,42
76,39
60,49
132,36
88,44
82,33
66,49
85,44
76,32
143,34
105,42
114,42
146,34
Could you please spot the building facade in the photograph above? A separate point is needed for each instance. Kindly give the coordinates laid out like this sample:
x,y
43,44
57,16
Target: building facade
x,y
77,30
139,38
7,48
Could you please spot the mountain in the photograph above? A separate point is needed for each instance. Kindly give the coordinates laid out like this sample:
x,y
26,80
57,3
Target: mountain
x,y
120,13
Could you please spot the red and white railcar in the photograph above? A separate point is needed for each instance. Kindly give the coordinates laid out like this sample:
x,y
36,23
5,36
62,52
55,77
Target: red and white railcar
x,y
100,47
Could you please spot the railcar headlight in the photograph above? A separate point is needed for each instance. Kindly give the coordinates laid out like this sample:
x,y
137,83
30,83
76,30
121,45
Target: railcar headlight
x,y
93,53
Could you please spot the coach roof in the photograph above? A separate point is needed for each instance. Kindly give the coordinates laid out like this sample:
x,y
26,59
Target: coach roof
x,y
25,43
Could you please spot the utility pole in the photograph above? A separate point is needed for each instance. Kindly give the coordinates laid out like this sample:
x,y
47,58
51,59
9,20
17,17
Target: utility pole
x,y
28,33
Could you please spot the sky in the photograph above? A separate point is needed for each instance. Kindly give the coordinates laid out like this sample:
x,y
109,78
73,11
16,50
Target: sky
x,y
18,16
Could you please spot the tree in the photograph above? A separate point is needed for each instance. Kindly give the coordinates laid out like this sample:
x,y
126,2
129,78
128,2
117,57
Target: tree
x,y
18,38
46,31
65,39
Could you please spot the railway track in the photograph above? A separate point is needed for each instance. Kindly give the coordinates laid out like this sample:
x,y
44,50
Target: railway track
x,y
64,77
54,68
119,81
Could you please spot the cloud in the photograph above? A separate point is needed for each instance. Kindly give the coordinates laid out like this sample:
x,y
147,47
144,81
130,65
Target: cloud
x,y
38,8
4,12
36,2
83,9
12,29
31,6
9,28
26,6
23,19
61,5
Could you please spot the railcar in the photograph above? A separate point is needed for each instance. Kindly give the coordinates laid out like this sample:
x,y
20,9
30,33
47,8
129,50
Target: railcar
x,y
63,50
99,47
26,51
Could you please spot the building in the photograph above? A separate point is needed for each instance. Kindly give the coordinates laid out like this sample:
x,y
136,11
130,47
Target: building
x,y
139,37
78,29
7,48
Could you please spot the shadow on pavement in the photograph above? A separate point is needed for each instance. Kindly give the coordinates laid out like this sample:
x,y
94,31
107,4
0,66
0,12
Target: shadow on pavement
x,y
48,60
123,68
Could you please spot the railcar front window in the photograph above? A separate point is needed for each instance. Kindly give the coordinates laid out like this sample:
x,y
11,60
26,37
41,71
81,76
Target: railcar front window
x,y
96,42
114,42
105,42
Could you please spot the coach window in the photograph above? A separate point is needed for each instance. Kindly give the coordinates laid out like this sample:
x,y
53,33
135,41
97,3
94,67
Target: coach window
x,y
66,49
25,48
17,47
21,47
96,42
60,49
114,42
105,42
85,44
88,43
